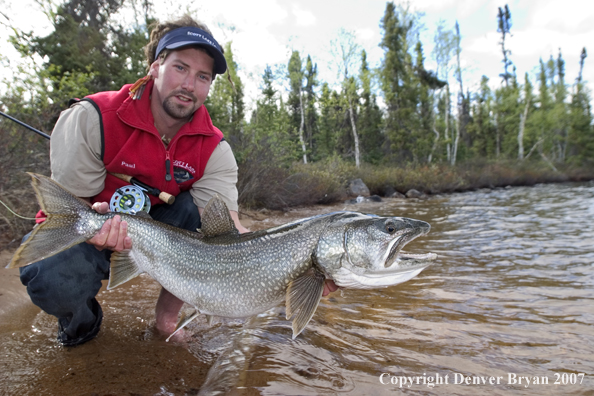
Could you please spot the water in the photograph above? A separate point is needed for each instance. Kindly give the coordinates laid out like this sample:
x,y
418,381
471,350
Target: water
x,y
508,303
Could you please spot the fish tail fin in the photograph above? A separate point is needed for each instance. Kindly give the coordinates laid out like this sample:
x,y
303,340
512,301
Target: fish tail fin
x,y
60,230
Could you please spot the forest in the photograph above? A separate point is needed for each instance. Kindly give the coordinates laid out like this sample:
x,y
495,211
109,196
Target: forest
x,y
396,126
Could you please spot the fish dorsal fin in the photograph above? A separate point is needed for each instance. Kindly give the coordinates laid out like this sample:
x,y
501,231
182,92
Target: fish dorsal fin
x,y
216,219
123,268
303,297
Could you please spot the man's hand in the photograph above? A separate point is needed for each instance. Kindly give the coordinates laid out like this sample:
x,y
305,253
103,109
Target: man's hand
x,y
329,287
114,233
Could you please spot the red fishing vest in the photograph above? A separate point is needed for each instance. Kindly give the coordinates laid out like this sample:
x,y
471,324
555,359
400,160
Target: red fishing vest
x,y
132,145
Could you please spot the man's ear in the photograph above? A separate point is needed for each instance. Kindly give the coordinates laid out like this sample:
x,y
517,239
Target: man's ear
x,y
154,69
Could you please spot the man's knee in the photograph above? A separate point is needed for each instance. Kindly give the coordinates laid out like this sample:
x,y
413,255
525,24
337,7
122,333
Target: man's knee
x,y
28,273
68,277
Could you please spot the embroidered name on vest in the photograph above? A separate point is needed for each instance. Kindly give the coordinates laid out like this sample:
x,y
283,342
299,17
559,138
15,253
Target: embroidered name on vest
x,y
184,165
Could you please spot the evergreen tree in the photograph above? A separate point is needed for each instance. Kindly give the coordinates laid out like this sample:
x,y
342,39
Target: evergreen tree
x,y
560,112
427,83
86,52
399,90
225,104
506,105
263,123
547,122
325,138
503,27
269,125
335,133
581,129
507,115
542,114
481,128
370,118
86,40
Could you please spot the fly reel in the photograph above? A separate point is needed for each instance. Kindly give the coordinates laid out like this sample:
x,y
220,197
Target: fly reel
x,y
130,199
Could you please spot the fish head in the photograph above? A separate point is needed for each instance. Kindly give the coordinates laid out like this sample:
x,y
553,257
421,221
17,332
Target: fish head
x,y
365,251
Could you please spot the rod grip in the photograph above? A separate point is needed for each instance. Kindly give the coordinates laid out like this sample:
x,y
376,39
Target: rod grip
x,y
166,197
121,176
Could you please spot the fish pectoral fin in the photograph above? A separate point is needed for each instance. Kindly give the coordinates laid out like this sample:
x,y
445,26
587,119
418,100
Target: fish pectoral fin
x,y
183,321
123,268
303,297
211,319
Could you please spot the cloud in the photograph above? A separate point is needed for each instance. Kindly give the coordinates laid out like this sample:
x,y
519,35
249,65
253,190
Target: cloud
x,y
458,8
365,34
568,16
303,17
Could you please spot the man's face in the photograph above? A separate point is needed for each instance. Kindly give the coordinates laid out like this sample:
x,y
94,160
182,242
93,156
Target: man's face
x,y
182,82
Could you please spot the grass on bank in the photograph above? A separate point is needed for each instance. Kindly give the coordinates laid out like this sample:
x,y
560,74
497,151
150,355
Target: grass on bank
x,y
262,185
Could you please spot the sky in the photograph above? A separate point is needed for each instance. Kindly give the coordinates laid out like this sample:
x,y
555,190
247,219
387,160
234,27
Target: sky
x,y
265,32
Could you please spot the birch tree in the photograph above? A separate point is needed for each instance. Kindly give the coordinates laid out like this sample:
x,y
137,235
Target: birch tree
x,y
348,52
463,111
443,52
528,100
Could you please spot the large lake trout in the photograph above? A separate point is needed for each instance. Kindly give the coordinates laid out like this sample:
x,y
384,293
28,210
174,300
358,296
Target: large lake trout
x,y
223,273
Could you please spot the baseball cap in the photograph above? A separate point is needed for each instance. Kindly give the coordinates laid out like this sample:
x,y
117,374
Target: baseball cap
x,y
185,36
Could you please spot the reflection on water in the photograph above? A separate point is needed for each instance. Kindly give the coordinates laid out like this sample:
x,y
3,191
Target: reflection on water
x,y
510,295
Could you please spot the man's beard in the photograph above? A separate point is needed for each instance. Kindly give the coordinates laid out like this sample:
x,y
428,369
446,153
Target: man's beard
x,y
178,111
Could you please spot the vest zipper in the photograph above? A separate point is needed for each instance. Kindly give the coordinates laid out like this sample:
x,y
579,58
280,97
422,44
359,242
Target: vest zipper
x,y
167,166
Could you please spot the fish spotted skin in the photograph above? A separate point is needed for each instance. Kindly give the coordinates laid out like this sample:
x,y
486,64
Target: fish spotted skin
x,y
223,273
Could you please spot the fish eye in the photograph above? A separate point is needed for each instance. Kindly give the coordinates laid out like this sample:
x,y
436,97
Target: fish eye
x,y
390,228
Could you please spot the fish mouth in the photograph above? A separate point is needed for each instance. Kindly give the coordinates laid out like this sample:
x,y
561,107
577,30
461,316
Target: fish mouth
x,y
402,267
408,266
410,262
406,260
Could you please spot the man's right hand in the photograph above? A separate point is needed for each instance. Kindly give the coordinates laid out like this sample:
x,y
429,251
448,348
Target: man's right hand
x,y
113,234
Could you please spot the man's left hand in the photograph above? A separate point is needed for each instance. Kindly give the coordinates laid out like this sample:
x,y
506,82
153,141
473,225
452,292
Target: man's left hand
x,y
329,287
113,234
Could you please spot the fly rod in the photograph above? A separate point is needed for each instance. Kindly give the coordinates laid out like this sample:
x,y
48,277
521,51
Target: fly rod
x,y
29,127
162,195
